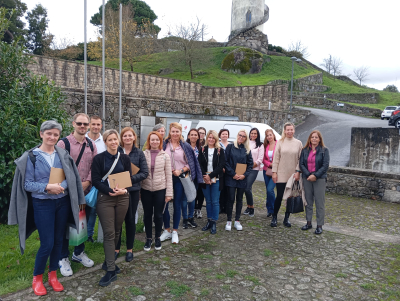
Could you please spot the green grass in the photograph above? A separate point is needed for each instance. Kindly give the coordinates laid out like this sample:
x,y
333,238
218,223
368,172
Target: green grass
x,y
136,291
17,270
231,273
253,279
278,68
220,276
341,275
177,289
204,292
267,253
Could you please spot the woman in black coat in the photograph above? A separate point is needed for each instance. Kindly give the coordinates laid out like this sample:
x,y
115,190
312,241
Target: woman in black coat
x,y
237,153
314,164
212,162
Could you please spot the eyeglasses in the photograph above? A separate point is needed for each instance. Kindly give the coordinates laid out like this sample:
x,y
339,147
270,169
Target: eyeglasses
x,y
201,133
241,136
80,123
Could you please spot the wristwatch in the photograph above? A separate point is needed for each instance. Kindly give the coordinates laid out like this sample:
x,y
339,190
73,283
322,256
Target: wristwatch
x,y
182,171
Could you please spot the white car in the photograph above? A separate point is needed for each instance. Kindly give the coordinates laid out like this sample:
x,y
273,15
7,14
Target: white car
x,y
387,112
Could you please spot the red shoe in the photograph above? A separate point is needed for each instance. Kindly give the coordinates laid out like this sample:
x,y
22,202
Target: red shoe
x,y
54,283
37,285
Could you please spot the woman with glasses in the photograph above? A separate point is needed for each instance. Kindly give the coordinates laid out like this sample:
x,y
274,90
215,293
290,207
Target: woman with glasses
x,y
239,163
202,132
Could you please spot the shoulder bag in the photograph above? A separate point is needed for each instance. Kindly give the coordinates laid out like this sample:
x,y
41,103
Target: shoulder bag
x,y
186,180
91,197
294,203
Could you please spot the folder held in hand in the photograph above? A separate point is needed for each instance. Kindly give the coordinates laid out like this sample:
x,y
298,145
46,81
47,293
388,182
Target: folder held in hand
x,y
135,169
240,169
122,179
57,175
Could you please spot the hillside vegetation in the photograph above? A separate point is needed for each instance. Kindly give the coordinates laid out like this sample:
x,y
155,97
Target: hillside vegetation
x,y
278,68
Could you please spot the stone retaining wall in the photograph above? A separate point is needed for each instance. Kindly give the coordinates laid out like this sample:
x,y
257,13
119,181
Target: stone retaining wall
x,y
364,183
351,97
323,103
311,83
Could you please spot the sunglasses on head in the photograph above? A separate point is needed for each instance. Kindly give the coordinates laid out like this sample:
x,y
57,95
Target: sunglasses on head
x,y
80,123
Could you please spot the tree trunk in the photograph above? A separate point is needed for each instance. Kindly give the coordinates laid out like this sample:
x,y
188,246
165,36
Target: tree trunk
x,y
191,69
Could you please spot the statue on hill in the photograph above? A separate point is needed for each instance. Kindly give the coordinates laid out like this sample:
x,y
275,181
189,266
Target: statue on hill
x,y
247,23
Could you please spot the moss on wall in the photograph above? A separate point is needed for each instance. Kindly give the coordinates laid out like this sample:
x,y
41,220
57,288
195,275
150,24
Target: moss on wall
x,y
243,61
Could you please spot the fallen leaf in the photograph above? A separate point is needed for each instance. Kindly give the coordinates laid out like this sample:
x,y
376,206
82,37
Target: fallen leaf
x,y
17,261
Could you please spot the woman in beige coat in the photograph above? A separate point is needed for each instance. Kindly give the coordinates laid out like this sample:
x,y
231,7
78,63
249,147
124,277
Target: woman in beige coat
x,y
156,188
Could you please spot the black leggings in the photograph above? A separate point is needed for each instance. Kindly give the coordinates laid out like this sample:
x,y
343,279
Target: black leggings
x,y
153,202
199,198
130,225
280,190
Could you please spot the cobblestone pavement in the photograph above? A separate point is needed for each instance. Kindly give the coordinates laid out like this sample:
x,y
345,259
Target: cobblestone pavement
x,y
260,262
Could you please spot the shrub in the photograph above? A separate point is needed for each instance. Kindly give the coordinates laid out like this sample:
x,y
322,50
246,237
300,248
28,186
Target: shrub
x,y
241,60
391,88
26,101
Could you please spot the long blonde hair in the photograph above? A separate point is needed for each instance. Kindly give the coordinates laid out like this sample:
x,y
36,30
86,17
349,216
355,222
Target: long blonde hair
x,y
246,143
266,142
175,125
215,135
284,128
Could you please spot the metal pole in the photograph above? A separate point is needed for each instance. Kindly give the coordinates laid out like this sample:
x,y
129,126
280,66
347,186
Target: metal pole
x,y
103,29
120,65
85,55
291,89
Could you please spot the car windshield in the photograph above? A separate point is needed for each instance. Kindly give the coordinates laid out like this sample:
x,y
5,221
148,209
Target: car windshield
x,y
390,108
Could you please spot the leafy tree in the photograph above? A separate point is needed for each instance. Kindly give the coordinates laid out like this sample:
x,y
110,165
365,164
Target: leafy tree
x,y
15,11
37,40
391,88
142,13
26,101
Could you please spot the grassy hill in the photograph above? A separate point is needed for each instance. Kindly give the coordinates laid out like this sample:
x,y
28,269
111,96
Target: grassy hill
x,y
278,68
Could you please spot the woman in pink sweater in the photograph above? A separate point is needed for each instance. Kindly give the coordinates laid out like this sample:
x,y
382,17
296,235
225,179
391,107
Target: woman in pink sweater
x,y
156,188
257,152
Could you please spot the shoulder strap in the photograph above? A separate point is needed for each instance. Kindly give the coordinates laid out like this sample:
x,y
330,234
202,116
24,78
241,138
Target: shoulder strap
x,y
67,144
80,155
90,144
112,167
32,157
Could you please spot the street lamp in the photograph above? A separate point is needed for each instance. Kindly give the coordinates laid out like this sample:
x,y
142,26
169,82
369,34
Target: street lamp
x,y
294,59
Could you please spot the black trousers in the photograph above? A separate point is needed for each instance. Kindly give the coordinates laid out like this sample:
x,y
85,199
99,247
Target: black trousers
x,y
280,190
231,201
153,203
130,225
199,198
223,199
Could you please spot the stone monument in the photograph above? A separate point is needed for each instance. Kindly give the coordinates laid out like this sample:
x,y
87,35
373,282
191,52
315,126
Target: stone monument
x,y
247,23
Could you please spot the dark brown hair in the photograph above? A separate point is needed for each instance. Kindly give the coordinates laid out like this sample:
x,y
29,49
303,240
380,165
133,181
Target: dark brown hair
x,y
321,141
223,130
198,139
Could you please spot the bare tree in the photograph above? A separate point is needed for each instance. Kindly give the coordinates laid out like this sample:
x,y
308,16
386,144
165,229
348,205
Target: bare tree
x,y
190,48
327,64
361,73
64,48
299,47
336,66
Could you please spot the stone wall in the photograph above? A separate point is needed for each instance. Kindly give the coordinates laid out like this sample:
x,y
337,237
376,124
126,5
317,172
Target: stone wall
x,y
364,183
324,103
375,149
311,83
351,97
252,38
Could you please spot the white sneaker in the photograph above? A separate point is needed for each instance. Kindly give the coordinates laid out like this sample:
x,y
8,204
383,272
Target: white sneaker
x,y
238,226
199,215
65,267
165,235
228,226
175,238
82,258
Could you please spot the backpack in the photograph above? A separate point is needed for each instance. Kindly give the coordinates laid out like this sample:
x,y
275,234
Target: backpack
x,y
68,148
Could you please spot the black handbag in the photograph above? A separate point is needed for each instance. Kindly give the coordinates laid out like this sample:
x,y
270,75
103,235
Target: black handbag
x,y
294,203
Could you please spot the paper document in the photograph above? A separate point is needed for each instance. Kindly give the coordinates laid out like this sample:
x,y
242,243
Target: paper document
x,y
135,169
240,169
56,175
122,179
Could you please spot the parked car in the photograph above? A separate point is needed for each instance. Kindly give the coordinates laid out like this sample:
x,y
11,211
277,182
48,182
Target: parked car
x,y
235,126
394,120
387,112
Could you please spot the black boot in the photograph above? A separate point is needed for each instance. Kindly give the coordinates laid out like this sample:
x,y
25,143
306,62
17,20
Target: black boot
x,y
192,223
185,224
104,267
274,221
207,226
286,222
213,228
108,278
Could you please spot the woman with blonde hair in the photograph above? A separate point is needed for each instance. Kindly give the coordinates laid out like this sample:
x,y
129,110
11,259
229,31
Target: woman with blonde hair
x,y
314,164
129,147
285,164
183,160
237,153
156,188
269,146
212,163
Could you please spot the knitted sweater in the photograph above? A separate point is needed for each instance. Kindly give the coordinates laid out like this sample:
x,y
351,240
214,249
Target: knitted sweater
x,y
286,158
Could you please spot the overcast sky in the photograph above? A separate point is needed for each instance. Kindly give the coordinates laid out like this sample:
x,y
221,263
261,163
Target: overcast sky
x,y
359,32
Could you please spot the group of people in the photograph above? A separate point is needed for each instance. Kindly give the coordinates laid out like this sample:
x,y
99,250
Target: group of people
x,y
164,167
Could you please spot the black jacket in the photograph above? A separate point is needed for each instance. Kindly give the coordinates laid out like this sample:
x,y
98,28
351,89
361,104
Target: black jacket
x,y
137,157
321,162
98,171
218,164
233,156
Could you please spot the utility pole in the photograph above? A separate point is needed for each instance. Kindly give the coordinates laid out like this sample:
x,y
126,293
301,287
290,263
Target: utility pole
x,y
120,65
103,29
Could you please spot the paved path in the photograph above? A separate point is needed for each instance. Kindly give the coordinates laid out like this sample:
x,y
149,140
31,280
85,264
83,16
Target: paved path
x,y
356,258
336,130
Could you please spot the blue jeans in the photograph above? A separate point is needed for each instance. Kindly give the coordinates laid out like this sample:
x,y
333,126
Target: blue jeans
x,y
91,222
50,219
211,193
248,192
186,206
179,200
270,185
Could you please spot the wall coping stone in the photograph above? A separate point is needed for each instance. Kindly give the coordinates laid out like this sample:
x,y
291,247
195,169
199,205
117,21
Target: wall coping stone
x,y
365,172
